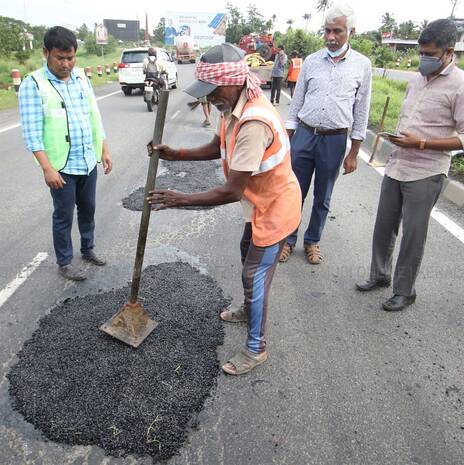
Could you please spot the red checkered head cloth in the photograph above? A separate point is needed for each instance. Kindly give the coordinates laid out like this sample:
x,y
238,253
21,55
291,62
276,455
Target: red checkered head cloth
x,y
223,65
230,73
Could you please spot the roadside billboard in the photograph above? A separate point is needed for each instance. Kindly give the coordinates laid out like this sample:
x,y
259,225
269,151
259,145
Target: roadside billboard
x,y
206,29
101,34
126,30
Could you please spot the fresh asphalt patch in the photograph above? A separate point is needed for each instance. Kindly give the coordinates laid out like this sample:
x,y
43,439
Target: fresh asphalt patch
x,y
79,386
183,176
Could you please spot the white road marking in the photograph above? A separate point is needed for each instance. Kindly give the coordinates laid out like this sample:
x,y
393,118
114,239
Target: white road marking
x,y
109,95
13,286
437,215
176,114
9,128
286,95
17,125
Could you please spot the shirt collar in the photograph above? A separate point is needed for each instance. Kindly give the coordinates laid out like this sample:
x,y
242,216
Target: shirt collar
x,y
52,77
447,70
241,102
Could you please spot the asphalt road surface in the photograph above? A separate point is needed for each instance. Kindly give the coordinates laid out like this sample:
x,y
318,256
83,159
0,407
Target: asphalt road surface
x,y
346,383
397,74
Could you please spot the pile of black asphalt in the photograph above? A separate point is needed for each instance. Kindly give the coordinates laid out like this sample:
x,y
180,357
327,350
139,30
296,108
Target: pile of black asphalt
x,y
79,386
184,176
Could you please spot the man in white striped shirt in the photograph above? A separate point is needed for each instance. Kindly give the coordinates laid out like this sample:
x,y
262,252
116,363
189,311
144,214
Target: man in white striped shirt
x,y
330,104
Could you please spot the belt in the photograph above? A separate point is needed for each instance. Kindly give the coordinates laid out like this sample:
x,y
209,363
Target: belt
x,y
324,132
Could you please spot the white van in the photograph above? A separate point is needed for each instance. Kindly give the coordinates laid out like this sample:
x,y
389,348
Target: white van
x,y
131,75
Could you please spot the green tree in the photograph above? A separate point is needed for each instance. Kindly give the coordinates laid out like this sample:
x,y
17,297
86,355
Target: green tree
x,y
383,56
256,20
373,36
408,30
235,24
10,35
388,23
362,45
158,32
83,32
38,32
300,41
91,47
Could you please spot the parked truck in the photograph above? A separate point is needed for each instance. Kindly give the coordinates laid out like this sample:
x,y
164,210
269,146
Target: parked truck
x,y
259,43
185,52
259,66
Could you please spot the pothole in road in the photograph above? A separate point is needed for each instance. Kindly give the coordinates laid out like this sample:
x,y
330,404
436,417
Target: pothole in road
x,y
79,386
184,176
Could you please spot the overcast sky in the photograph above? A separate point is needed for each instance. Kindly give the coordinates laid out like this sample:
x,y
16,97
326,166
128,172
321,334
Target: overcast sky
x,y
76,12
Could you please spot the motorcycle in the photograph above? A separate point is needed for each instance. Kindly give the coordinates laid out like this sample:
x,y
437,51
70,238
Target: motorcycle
x,y
153,85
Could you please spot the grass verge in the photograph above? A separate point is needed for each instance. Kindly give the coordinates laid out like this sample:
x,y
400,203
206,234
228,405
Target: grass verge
x,y
8,97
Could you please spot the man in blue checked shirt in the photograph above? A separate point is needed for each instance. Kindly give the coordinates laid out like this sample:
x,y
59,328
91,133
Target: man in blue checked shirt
x,y
62,127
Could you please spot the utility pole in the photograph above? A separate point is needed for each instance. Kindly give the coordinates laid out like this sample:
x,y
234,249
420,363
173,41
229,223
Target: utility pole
x,y
454,3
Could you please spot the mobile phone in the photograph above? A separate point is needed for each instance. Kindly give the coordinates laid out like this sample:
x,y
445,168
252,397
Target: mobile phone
x,y
390,134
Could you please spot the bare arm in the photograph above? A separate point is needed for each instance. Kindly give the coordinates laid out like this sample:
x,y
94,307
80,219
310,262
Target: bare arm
x,y
410,141
231,191
52,177
210,151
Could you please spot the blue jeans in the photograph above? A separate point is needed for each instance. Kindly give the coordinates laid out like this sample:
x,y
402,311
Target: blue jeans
x,y
79,191
321,156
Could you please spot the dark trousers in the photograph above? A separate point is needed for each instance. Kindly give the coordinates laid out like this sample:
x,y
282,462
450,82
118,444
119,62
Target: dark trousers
x,y
79,191
321,156
276,85
259,264
411,202
291,85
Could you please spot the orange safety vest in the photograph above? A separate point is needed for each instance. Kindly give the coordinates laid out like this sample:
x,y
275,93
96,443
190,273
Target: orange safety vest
x,y
273,189
294,70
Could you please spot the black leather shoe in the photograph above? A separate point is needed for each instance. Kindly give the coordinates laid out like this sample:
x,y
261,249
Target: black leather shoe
x,y
398,302
372,284
94,259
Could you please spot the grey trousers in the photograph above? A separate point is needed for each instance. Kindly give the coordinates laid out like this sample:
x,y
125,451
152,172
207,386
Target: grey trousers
x,y
411,202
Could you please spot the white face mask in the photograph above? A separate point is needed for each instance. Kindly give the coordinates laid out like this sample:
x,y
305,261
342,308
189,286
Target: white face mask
x,y
338,52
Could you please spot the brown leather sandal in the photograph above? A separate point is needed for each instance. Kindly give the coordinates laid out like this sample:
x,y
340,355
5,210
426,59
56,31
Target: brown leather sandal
x,y
287,250
313,254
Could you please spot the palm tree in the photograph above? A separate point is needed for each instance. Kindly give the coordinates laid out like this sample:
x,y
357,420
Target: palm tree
x,y
423,25
323,5
388,23
307,18
290,22
273,18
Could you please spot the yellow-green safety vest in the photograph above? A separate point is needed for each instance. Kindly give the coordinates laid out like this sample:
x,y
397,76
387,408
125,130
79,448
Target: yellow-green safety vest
x,y
56,139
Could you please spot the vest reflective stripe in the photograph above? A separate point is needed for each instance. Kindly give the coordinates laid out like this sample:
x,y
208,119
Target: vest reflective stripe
x,y
297,62
223,153
274,190
56,137
265,115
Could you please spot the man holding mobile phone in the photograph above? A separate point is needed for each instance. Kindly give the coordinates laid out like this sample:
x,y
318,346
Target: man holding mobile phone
x,y
431,124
